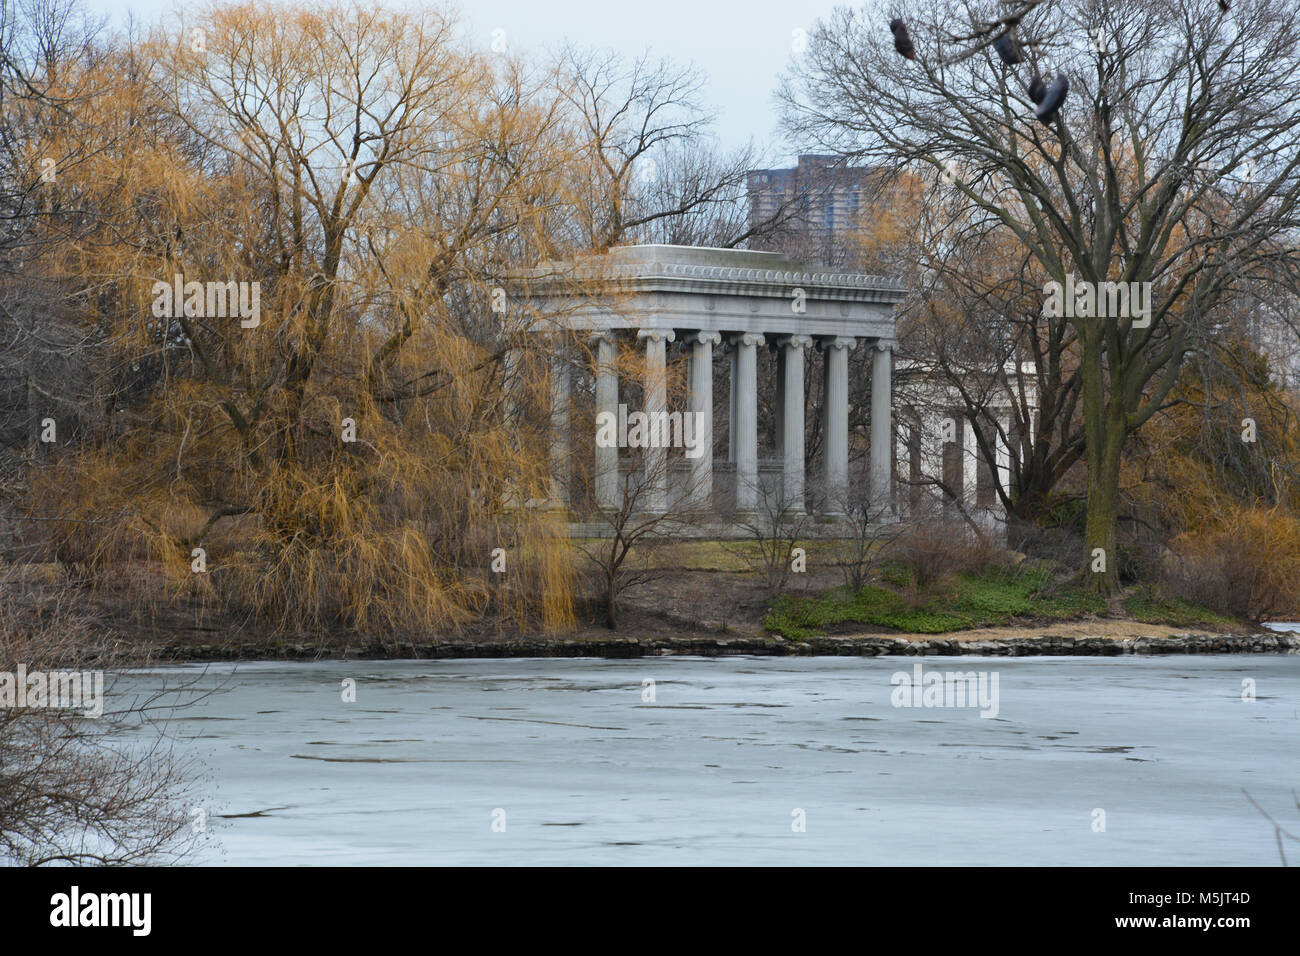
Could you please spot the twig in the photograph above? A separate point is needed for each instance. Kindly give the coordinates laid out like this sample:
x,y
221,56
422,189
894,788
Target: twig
x,y
1278,830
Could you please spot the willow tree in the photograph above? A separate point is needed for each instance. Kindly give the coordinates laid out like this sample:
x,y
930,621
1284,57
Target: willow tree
x,y
1171,163
357,183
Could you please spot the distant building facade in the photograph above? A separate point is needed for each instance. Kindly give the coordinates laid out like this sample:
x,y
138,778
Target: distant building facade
x,y
823,197
1273,331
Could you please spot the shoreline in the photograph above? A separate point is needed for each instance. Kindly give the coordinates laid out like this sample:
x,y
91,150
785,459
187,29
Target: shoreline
x,y
613,648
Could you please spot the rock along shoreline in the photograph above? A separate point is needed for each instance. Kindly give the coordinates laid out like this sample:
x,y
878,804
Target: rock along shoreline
x,y
722,646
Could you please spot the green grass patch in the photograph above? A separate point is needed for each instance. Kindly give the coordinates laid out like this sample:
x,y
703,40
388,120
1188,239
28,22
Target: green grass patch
x,y
1151,608
989,598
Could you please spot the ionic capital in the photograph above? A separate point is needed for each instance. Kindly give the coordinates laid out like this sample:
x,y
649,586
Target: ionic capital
x,y
656,335
837,342
703,338
748,339
795,341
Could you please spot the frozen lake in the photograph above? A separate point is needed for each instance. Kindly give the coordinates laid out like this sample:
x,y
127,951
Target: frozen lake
x,y
582,770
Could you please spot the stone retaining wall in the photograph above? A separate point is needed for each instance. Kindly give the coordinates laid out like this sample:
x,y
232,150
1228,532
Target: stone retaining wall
x,y
872,646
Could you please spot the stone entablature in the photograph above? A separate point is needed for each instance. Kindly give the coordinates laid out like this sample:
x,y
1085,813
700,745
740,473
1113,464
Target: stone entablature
x,y
717,290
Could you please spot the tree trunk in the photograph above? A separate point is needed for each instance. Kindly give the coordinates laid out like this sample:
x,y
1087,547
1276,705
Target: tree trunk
x,y
1103,511
1105,431
611,607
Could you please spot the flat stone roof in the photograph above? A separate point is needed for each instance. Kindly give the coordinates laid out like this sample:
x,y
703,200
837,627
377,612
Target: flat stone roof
x,y
718,271
710,290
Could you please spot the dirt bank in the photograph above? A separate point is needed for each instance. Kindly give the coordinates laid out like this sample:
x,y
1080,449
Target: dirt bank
x,y
1113,639
688,613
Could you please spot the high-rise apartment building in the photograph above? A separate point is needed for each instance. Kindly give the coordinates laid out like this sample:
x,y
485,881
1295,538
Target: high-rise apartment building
x,y
822,197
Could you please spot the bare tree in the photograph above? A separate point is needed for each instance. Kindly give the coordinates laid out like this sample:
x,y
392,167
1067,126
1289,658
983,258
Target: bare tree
x,y
975,327
54,73
1168,169
628,553
654,172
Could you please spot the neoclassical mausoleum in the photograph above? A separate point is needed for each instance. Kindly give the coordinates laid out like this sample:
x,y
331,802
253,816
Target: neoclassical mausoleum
x,y
689,303
647,297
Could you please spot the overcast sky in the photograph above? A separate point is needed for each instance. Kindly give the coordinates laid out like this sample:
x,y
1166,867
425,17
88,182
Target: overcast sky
x,y
741,45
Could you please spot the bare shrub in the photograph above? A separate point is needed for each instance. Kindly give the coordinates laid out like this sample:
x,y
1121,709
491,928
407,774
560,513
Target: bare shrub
x,y
933,550
771,533
1249,566
868,534
74,789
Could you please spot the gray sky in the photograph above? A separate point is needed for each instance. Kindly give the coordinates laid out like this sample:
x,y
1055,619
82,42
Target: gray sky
x,y
741,45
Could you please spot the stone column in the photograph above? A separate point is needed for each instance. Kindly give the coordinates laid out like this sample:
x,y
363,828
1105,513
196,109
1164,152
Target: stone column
x,y
700,489
970,460
1003,450
513,409
882,484
731,412
835,420
656,407
904,442
745,421
606,477
792,430
509,375
560,389
931,446
778,406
